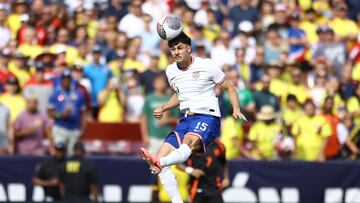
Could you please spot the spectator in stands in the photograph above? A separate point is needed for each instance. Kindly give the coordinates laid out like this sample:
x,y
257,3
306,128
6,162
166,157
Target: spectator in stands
x,y
273,46
147,77
264,96
297,39
62,43
84,86
19,68
263,134
78,178
112,102
311,132
333,51
244,11
150,38
31,127
5,57
351,149
353,105
134,100
6,136
281,25
116,8
154,131
333,147
291,112
39,87
47,174
344,28
67,106
4,30
134,17
98,74
12,98
297,86
222,53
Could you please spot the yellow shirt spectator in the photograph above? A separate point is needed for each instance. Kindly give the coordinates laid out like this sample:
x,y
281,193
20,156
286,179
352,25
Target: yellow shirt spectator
x,y
290,116
31,50
182,179
310,133
232,136
310,31
344,27
299,91
133,64
353,105
14,23
15,103
115,69
71,53
163,61
212,32
111,110
264,136
23,75
356,72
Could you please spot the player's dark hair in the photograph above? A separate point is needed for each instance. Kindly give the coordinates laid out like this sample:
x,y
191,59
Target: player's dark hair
x,y
181,38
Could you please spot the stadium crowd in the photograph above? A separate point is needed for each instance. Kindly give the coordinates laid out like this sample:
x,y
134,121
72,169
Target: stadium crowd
x,y
295,63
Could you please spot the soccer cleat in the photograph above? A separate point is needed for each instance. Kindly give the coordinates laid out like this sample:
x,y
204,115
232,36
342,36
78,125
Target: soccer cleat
x,y
152,160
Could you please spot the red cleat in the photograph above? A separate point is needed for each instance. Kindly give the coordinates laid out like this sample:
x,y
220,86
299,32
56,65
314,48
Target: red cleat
x,y
152,160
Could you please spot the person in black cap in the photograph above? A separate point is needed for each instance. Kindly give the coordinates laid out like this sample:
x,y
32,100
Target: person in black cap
x,y
47,173
78,178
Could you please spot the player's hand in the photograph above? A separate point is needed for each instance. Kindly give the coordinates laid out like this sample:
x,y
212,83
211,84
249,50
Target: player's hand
x,y
225,182
238,114
197,173
159,112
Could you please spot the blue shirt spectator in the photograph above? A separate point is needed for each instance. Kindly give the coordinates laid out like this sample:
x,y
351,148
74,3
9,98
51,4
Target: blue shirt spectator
x,y
97,73
241,12
67,100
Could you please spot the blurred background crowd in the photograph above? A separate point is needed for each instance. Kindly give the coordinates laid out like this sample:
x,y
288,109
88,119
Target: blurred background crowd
x,y
295,63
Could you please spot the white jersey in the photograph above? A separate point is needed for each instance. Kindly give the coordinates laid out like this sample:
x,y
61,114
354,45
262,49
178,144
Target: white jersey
x,y
195,86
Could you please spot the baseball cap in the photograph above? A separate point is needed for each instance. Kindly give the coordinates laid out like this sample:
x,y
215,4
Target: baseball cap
x,y
66,74
96,48
280,7
60,146
79,146
324,29
12,80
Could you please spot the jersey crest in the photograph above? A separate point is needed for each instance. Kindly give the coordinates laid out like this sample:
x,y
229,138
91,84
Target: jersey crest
x,y
196,75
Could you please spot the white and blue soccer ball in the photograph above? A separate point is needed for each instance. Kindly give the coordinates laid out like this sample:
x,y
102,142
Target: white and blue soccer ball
x,y
169,26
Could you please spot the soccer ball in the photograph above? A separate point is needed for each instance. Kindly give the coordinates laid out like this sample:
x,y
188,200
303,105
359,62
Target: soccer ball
x,y
169,27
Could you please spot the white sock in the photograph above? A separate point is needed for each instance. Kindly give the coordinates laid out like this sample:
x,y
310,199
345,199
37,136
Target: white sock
x,y
169,183
177,156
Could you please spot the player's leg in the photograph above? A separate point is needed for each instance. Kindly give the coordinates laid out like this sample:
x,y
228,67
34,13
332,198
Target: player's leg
x,y
166,176
181,154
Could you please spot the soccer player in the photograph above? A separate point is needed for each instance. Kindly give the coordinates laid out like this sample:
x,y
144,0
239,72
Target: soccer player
x,y
205,182
193,80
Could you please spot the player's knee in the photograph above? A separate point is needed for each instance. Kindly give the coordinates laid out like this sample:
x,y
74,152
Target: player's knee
x,y
192,140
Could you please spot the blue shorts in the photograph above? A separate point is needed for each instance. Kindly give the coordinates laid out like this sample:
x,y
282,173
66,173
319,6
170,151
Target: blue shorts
x,y
206,127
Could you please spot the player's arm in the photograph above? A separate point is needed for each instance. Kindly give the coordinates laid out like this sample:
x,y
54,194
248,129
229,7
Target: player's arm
x,y
172,103
231,90
226,180
195,172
